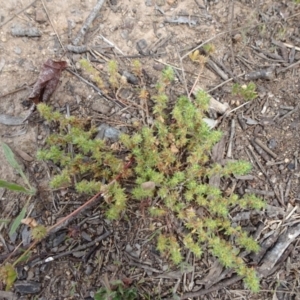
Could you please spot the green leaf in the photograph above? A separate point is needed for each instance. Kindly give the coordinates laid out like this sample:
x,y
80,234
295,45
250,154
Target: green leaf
x,y
17,221
15,187
10,157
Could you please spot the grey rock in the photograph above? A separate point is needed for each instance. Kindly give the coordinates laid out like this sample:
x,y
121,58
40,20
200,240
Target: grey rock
x,y
59,239
272,144
27,287
107,132
124,34
40,16
130,78
141,46
17,50
26,235
21,30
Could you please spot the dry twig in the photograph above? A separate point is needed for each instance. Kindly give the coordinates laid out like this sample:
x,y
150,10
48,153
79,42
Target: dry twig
x,y
285,239
83,30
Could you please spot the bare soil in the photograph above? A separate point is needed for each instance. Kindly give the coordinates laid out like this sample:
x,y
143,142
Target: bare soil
x,y
248,36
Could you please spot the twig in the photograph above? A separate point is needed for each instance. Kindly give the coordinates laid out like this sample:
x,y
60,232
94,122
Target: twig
x,y
83,30
145,267
241,122
87,82
183,76
216,69
16,90
265,173
111,44
230,33
20,11
291,46
288,67
66,220
259,150
285,239
264,147
282,259
232,133
288,187
289,113
94,87
229,112
221,285
79,248
218,35
260,192
281,192
46,10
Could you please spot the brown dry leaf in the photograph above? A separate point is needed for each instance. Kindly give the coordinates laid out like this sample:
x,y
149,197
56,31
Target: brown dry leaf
x,y
115,146
148,185
47,80
32,223
174,149
24,155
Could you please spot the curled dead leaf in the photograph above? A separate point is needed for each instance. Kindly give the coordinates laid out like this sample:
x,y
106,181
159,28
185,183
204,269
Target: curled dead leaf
x,y
47,80
32,223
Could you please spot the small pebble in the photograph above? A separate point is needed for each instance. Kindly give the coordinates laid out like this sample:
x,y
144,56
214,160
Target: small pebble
x,y
88,270
124,34
272,144
141,46
40,16
17,50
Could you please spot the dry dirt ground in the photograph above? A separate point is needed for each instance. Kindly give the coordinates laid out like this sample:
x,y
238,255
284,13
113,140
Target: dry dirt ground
x,y
248,36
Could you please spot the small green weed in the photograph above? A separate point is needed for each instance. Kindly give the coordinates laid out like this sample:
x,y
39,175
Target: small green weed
x,y
29,190
10,157
168,162
246,91
116,291
8,273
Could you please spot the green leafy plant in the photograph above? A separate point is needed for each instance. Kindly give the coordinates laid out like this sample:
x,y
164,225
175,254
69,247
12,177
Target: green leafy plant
x,y
93,73
116,291
169,162
10,157
29,190
246,91
8,273
209,48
